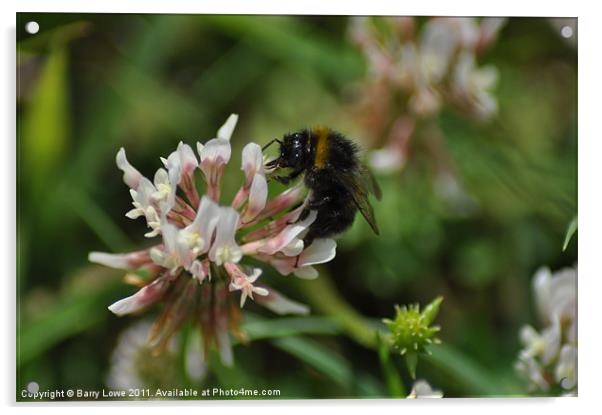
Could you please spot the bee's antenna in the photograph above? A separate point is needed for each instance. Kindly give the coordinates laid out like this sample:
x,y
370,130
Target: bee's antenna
x,y
270,143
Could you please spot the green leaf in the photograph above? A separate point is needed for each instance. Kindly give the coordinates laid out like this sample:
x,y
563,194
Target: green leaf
x,y
45,131
466,372
97,219
572,228
74,311
319,357
257,328
291,40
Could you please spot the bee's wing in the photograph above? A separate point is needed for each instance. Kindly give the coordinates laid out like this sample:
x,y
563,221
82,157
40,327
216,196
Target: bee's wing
x,y
370,182
358,185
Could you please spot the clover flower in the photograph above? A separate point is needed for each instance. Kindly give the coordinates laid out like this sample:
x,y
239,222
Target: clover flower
x,y
201,259
413,72
411,331
549,357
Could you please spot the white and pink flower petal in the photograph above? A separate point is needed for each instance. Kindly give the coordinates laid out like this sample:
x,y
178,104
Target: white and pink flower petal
x,y
146,296
131,176
288,235
252,162
258,196
132,260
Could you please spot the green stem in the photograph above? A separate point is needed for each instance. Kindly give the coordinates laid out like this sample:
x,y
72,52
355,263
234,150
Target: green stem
x,y
323,295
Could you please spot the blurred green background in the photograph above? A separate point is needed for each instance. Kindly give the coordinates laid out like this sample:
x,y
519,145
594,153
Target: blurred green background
x,y
90,84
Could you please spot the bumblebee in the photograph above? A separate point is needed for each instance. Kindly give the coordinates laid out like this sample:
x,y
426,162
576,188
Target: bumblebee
x,y
338,181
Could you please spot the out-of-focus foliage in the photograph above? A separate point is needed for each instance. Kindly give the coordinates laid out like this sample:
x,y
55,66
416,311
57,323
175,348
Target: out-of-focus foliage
x,y
89,84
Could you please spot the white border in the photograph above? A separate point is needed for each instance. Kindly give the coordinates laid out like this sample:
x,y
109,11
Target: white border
x,y
590,206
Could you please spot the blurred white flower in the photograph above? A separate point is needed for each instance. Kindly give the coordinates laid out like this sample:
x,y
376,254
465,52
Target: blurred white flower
x,y
132,365
422,389
556,294
550,357
415,70
474,86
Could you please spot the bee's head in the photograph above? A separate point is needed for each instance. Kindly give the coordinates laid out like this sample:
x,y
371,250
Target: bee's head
x,y
294,151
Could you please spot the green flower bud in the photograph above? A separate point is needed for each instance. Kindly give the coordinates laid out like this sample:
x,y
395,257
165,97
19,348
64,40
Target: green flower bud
x,y
410,330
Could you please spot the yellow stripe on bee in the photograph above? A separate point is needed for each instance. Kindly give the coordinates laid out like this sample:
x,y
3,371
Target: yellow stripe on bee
x,y
321,146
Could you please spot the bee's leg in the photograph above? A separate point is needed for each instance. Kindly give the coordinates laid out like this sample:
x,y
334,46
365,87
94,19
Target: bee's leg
x,y
281,179
286,179
275,140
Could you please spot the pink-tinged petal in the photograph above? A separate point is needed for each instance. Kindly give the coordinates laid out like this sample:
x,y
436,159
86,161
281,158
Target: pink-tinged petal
x,y
288,234
227,129
181,207
216,152
307,272
283,265
252,162
283,201
133,260
243,282
258,196
146,296
187,160
235,274
279,304
214,157
252,248
199,270
240,197
181,165
274,227
320,251
224,248
131,176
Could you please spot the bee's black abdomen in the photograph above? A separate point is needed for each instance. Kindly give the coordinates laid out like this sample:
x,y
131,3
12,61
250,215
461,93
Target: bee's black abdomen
x,y
331,220
333,203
